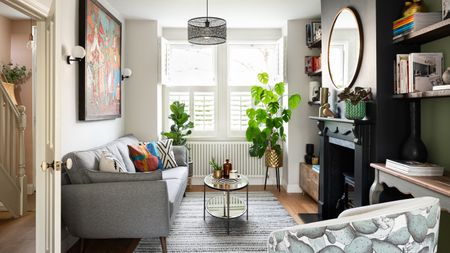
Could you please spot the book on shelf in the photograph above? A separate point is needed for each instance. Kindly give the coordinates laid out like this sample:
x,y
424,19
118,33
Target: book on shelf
x,y
413,168
414,22
417,72
442,87
312,64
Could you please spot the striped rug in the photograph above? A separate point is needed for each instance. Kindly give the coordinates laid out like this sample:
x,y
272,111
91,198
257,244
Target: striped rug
x,y
190,233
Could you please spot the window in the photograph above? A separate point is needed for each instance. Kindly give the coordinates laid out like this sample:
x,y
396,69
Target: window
x,y
215,82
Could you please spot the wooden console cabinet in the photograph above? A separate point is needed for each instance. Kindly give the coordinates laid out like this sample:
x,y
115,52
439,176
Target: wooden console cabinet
x,y
309,181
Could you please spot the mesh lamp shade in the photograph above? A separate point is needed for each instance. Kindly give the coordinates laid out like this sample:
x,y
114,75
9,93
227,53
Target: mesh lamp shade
x,y
207,31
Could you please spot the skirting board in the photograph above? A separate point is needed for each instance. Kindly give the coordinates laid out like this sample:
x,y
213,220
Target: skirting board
x,y
293,188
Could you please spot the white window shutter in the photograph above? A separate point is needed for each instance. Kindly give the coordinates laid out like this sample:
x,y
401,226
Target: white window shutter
x,y
239,103
163,61
282,59
204,111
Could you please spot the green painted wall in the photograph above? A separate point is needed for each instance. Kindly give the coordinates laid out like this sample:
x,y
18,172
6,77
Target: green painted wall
x,y
436,125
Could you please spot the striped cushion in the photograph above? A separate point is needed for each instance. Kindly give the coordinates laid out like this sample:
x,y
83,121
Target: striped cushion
x,y
166,153
142,159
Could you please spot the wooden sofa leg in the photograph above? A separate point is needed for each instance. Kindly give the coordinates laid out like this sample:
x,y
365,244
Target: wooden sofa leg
x,y
163,244
81,245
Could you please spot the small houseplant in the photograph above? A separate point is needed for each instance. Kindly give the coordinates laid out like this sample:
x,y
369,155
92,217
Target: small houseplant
x,y
266,124
217,169
181,127
16,75
355,102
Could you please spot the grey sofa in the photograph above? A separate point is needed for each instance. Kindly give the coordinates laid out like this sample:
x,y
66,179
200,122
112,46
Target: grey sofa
x,y
100,205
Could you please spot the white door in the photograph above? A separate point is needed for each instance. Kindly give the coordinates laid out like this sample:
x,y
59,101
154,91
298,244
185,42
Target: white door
x,y
48,178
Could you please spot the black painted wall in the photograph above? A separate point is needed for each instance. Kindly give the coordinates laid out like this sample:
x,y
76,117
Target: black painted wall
x,y
389,115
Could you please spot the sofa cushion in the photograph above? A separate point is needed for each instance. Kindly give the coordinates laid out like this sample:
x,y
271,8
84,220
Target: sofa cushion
x,y
176,173
110,163
165,150
105,177
89,159
142,159
180,153
152,147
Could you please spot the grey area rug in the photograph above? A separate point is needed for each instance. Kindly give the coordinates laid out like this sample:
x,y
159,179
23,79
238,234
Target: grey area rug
x,y
189,233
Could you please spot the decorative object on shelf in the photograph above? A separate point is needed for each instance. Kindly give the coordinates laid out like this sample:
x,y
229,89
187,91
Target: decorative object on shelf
x,y
309,153
227,168
15,76
313,33
327,112
217,169
414,22
76,55
314,90
315,160
100,93
312,65
207,30
355,102
181,127
414,149
445,9
324,93
126,73
417,169
345,48
270,118
446,76
413,6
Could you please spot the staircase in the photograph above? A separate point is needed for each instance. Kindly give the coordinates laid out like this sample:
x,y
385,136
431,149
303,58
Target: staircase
x,y
13,181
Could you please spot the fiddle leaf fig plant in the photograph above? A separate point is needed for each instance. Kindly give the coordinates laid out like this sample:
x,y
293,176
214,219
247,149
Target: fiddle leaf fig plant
x,y
265,126
181,127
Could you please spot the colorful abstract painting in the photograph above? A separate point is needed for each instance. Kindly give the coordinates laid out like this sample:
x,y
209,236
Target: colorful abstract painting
x,y
100,77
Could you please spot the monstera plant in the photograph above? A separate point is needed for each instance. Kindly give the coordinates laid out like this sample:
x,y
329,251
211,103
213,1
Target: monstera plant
x,y
181,127
266,124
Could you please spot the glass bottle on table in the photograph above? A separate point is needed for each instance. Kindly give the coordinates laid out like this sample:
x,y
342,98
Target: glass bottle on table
x,y
227,167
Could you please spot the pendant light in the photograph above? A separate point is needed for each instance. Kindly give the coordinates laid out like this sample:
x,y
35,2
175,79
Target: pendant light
x,y
207,30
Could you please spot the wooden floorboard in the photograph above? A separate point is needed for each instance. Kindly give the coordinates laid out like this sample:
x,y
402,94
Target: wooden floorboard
x,y
293,202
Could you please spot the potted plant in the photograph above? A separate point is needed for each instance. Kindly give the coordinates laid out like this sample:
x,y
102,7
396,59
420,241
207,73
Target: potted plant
x,y
181,127
355,102
217,169
16,75
266,124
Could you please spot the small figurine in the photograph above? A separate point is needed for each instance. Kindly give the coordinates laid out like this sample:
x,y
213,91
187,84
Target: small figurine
x,y
326,112
412,6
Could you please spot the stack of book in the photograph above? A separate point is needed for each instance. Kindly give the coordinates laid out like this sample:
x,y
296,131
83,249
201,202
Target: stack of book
x,y
415,22
312,64
418,72
412,168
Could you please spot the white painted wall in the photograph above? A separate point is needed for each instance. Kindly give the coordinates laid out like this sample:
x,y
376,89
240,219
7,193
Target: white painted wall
x,y
79,135
142,56
301,130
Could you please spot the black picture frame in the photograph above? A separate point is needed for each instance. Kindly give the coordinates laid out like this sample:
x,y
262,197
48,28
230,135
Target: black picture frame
x,y
84,112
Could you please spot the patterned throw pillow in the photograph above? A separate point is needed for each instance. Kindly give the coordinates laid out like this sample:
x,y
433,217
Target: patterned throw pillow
x,y
109,163
153,149
166,153
142,159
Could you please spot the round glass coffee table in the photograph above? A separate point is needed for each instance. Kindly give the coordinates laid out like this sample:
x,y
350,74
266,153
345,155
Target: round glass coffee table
x,y
225,206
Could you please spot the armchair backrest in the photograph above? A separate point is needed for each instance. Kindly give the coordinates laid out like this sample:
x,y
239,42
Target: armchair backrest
x,y
410,225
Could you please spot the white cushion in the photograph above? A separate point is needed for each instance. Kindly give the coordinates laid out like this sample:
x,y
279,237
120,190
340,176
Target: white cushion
x,y
109,163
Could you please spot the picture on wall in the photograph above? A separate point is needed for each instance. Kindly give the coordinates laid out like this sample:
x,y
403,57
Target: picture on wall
x,y
100,71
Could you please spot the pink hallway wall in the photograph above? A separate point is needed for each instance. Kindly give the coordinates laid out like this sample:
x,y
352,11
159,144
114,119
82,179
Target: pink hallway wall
x,y
5,41
20,54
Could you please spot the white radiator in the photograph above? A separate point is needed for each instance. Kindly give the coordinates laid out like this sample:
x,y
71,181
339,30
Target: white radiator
x,y
202,152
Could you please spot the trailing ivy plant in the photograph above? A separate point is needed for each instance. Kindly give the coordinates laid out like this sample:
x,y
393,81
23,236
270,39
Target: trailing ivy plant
x,y
181,127
265,126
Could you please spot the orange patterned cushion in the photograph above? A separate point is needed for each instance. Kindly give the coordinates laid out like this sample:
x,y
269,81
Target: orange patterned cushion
x,y
142,159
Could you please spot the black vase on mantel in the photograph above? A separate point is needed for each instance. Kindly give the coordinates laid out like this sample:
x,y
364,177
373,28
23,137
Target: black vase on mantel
x,y
414,149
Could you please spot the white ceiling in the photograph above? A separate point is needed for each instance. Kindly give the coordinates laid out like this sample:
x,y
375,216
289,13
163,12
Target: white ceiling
x,y
238,13
10,13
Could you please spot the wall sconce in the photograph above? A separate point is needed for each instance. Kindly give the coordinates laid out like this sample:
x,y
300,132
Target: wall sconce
x,y
126,73
77,54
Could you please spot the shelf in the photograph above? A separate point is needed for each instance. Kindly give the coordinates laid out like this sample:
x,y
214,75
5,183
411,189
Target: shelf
x,y
316,44
427,34
316,73
423,95
314,103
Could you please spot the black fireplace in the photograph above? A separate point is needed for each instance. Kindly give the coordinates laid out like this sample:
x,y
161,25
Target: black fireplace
x,y
345,174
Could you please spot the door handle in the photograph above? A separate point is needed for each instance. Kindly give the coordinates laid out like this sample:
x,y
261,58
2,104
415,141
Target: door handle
x,y
58,165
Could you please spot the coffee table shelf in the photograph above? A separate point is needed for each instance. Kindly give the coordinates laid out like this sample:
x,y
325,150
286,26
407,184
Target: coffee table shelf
x,y
217,207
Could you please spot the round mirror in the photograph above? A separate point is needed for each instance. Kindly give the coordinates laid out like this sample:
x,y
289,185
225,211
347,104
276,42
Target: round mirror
x,y
345,49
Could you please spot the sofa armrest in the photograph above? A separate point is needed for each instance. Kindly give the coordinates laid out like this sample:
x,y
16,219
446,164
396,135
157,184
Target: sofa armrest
x,y
116,210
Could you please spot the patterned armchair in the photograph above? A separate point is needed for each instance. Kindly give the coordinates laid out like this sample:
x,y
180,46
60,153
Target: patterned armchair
x,y
405,226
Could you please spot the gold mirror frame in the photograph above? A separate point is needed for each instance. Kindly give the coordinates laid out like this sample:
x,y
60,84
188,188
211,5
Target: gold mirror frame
x,y
361,47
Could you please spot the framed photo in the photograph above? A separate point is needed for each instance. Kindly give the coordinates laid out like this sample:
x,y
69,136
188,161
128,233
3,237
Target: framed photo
x,y
100,34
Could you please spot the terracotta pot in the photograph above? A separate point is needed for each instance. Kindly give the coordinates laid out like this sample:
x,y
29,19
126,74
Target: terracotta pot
x,y
217,174
273,159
